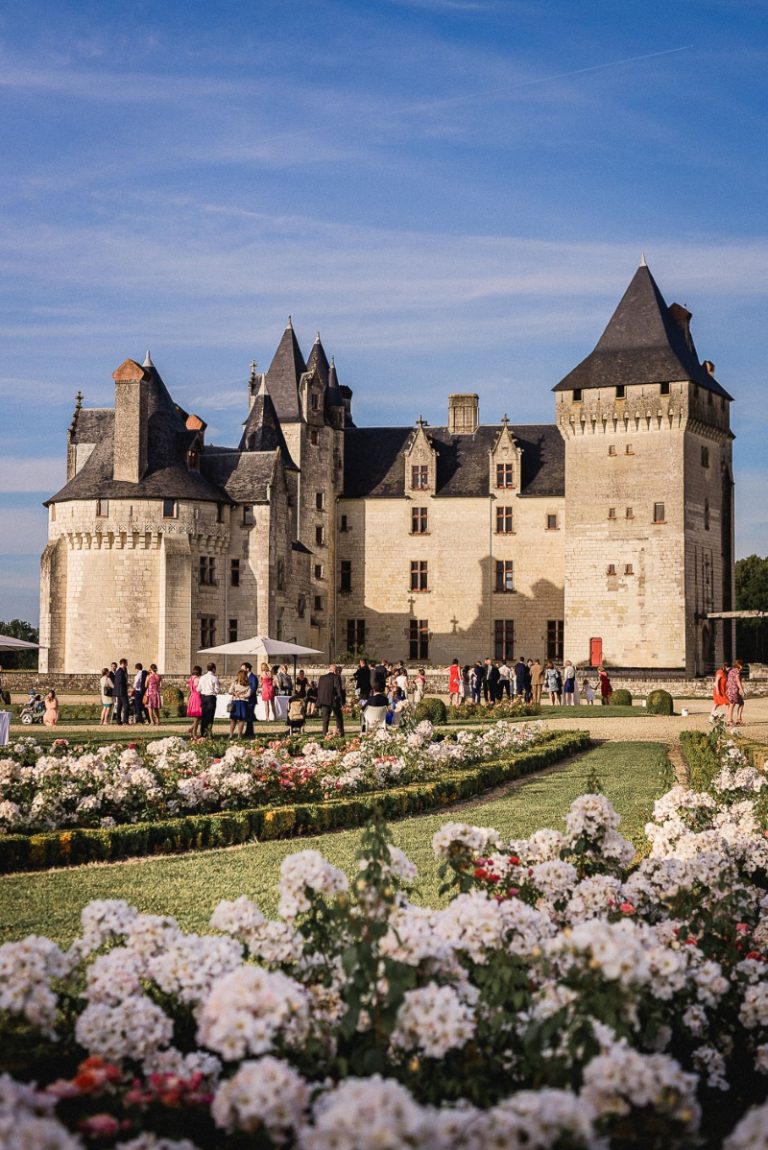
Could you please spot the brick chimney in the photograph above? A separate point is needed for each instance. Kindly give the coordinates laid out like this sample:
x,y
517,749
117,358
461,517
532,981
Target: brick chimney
x,y
463,414
130,441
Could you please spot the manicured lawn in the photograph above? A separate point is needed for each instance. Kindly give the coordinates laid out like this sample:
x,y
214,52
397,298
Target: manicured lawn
x,y
632,775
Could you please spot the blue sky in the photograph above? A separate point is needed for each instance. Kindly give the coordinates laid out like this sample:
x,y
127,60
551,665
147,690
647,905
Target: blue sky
x,y
454,192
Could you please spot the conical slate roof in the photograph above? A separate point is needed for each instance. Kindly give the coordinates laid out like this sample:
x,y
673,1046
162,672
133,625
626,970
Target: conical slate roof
x,y
262,430
285,371
645,342
318,360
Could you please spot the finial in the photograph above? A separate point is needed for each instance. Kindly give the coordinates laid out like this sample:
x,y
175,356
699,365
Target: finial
x,y
147,360
505,420
317,338
263,387
421,422
290,321
643,264
79,400
252,377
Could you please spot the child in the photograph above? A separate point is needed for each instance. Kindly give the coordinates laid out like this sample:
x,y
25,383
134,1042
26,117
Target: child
x,y
588,691
296,714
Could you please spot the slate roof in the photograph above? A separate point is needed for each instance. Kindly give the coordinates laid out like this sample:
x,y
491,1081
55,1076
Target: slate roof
x,y
168,439
374,464
641,344
318,360
262,430
244,476
283,375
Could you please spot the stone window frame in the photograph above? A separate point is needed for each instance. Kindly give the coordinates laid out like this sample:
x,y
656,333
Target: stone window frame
x,y
419,477
503,639
418,639
659,513
232,630
345,576
419,575
505,577
555,639
355,634
505,476
505,520
234,572
419,521
207,631
102,508
207,573
170,509
552,521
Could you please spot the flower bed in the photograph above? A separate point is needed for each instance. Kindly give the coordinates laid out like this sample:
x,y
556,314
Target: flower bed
x,y
563,998
164,836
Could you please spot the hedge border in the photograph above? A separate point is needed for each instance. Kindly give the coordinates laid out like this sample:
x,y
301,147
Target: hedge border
x,y
702,761
228,828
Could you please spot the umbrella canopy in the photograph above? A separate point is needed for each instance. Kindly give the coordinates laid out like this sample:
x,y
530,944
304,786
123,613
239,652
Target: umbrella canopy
x,y
259,645
9,643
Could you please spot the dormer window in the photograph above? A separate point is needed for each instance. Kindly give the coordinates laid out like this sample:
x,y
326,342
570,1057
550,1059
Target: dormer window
x,y
314,402
247,515
420,477
193,459
505,475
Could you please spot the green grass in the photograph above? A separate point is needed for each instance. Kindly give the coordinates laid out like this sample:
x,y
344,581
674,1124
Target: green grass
x,y
632,775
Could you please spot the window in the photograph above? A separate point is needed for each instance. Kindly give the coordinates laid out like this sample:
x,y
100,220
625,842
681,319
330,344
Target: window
x,y
301,606
320,535
219,512
247,516
628,569
314,436
420,477
503,639
663,389
610,569
419,521
505,475
232,631
705,457
281,575
207,571
343,523
621,391
418,633
234,572
345,577
193,459
355,634
314,401
319,571
170,509
551,523
577,395
102,508
629,513
629,449
207,631
612,449
504,575
555,629
611,512
706,515
318,601
419,575
503,520
659,515
320,500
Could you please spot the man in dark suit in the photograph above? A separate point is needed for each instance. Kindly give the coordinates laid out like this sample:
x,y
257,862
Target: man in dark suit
x,y
362,677
253,698
139,691
121,692
330,697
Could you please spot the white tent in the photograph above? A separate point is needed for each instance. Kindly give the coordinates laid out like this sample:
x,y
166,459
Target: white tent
x,y
9,643
263,648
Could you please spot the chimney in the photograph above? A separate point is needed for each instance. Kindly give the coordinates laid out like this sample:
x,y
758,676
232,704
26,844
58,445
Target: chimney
x,y
130,443
681,317
463,414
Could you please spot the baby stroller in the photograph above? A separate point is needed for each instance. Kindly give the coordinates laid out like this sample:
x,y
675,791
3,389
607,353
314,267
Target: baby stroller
x,y
33,710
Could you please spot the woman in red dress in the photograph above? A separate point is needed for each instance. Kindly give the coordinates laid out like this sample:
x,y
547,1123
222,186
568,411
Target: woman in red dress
x,y
606,688
719,696
195,703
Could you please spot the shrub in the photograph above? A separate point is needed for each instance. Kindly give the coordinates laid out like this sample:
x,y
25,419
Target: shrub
x,y
431,708
658,703
621,698
173,700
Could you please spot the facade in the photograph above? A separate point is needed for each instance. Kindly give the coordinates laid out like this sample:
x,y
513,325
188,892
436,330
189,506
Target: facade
x,y
604,537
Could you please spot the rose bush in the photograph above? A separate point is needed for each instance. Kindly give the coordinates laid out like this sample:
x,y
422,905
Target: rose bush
x,y
566,996
45,789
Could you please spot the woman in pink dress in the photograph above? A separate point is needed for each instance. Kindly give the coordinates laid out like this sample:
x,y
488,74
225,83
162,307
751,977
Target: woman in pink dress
x,y
267,687
51,716
194,703
152,700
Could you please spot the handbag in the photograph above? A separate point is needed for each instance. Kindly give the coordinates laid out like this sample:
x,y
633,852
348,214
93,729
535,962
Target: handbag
x,y
230,708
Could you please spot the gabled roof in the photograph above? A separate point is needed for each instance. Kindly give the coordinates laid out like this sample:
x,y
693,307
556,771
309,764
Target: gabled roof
x,y
374,464
643,343
283,375
262,430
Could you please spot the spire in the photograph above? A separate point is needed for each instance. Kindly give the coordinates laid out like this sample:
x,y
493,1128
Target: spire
x,y
285,371
318,361
644,342
643,264
147,360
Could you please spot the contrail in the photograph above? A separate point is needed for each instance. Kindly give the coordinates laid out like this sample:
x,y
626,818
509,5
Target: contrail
x,y
453,100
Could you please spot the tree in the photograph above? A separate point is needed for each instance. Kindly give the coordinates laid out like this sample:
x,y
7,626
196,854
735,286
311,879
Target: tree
x,y
752,595
19,660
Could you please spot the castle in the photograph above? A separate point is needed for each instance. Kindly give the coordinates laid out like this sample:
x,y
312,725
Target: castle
x,y
606,536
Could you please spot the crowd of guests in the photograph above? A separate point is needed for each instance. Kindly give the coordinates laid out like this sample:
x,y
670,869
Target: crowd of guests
x,y
493,680
130,697
246,690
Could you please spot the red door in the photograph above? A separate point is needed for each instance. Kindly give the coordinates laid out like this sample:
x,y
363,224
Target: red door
x,y
595,652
